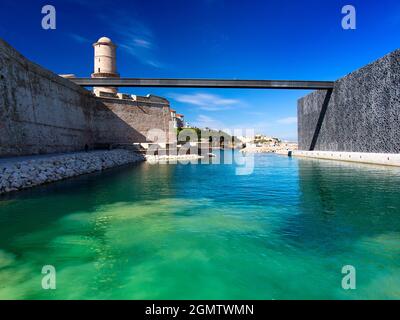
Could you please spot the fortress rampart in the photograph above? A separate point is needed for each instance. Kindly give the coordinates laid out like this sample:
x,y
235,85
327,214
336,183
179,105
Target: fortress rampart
x,y
41,112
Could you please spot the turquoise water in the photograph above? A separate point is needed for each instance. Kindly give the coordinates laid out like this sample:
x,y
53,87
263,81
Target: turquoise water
x,y
203,232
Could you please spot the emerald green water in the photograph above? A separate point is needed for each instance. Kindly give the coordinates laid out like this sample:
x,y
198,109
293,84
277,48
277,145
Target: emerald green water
x,y
202,232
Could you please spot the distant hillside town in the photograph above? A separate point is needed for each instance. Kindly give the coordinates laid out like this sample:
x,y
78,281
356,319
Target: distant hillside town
x,y
261,143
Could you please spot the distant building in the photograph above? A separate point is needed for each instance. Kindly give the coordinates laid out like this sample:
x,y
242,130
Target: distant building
x,y
173,118
262,139
243,139
180,120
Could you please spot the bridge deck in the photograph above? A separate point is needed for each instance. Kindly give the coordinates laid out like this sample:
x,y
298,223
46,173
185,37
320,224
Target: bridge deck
x,y
203,83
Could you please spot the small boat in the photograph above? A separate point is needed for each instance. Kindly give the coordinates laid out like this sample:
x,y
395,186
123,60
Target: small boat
x,y
211,155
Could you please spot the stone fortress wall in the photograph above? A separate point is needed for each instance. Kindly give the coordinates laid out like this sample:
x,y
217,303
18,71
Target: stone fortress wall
x,y
363,114
139,114
43,113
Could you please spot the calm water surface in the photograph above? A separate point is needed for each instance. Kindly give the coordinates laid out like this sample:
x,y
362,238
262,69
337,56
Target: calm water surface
x,y
202,232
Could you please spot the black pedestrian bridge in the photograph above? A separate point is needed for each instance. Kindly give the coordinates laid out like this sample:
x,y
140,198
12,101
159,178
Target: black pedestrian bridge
x,y
204,83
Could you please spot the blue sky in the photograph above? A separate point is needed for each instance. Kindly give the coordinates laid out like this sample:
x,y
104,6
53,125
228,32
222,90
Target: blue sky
x,y
211,39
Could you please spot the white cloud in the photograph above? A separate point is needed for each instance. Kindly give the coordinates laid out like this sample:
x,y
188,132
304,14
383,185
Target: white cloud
x,y
289,120
142,43
205,101
85,3
261,126
203,121
79,38
134,37
142,49
256,113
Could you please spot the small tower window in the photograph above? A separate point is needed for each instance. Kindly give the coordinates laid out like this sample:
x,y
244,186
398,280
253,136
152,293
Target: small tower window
x,y
99,70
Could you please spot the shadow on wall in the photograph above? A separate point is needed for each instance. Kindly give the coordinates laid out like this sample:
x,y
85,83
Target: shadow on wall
x,y
110,127
140,117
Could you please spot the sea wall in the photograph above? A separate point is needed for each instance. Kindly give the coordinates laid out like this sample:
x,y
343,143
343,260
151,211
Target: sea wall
x,y
43,113
363,113
26,172
387,159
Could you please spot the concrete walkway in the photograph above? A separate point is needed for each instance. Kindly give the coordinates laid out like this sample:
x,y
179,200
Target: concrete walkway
x,y
387,159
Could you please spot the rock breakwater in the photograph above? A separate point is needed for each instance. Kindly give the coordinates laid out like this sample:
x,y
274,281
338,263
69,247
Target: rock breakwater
x,y
17,174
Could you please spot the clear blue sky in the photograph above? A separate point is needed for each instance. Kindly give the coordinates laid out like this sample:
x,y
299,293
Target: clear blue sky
x,y
211,39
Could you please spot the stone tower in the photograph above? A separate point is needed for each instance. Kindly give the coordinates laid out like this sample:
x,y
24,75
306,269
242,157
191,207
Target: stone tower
x,y
105,64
